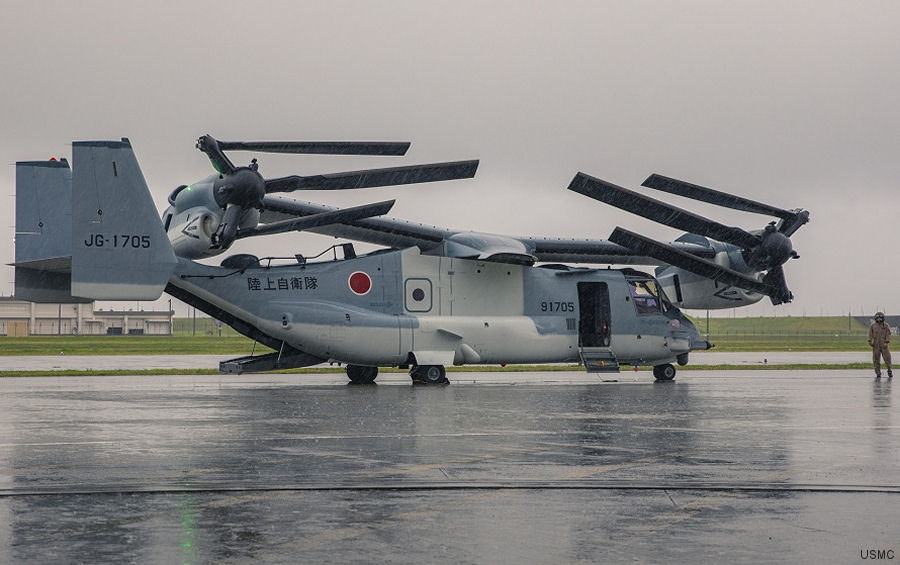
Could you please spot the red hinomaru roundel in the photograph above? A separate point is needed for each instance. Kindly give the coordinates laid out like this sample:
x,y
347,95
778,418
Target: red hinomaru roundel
x,y
360,283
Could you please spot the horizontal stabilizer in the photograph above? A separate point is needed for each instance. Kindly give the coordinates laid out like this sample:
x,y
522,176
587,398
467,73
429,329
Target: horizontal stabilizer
x,y
38,285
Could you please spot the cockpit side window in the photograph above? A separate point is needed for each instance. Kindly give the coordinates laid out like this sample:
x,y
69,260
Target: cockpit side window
x,y
647,296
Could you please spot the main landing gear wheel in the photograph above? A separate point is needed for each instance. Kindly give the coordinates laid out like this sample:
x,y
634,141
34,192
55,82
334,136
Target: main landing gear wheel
x,y
361,374
429,375
664,372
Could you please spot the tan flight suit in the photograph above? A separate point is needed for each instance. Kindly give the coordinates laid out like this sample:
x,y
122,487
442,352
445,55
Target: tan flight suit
x,y
880,339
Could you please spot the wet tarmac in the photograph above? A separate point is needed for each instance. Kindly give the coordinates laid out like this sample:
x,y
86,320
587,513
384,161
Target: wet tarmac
x,y
738,467
86,362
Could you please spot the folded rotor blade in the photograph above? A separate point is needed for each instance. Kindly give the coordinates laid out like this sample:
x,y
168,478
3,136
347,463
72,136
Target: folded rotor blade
x,y
375,177
562,250
213,149
697,192
228,226
688,262
320,147
659,211
790,225
775,279
389,232
320,219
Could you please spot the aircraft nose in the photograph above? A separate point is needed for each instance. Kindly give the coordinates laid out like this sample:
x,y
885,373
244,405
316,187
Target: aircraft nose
x,y
697,343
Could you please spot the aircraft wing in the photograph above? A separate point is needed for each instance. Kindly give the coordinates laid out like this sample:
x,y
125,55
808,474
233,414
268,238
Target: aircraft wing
x,y
567,250
397,233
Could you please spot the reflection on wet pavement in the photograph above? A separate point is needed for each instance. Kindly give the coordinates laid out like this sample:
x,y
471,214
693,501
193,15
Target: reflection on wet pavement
x,y
101,362
767,466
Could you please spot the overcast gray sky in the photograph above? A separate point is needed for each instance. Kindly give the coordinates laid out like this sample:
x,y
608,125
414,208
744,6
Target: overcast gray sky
x,y
791,103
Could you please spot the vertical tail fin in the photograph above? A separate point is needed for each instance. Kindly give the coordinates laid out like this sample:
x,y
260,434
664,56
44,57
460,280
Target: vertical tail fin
x,y
44,231
89,233
119,248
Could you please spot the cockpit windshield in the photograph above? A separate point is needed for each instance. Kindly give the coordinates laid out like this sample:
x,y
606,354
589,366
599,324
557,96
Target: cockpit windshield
x,y
648,296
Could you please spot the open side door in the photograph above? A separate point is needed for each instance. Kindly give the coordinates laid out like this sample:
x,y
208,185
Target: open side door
x,y
595,328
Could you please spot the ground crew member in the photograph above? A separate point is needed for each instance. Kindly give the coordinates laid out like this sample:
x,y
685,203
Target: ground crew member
x,y
879,340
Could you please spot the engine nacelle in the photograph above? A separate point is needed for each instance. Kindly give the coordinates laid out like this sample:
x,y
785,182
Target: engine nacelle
x,y
193,218
693,292
191,232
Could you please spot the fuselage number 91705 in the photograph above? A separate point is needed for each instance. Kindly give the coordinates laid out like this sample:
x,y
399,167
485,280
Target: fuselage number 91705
x,y
554,306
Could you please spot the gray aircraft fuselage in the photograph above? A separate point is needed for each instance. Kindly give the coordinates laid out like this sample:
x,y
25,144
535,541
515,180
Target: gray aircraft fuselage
x,y
399,307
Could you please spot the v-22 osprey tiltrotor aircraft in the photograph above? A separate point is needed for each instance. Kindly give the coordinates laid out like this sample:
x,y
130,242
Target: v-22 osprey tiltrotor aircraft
x,y
433,297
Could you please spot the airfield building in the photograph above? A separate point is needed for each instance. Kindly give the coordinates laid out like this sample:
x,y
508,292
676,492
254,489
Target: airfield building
x,y
22,318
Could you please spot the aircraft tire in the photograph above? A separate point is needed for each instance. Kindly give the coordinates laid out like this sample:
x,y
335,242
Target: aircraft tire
x,y
664,372
361,374
429,375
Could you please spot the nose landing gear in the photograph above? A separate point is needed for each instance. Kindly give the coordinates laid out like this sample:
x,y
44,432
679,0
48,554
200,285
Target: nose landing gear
x,y
429,375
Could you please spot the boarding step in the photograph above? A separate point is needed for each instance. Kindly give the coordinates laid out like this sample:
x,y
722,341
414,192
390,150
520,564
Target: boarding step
x,y
289,358
599,361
